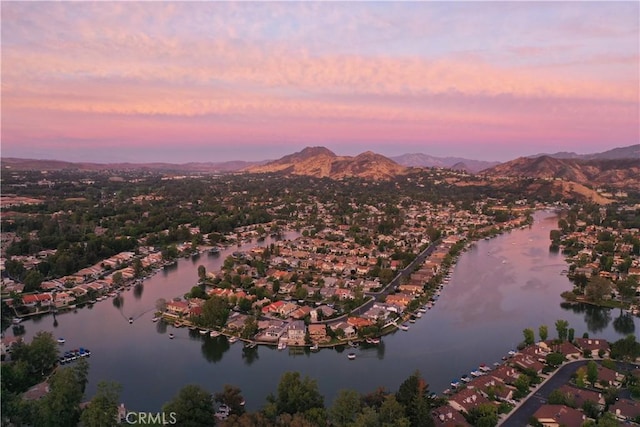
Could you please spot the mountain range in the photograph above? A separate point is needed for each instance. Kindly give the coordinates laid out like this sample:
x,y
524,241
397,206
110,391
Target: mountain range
x,y
321,162
619,167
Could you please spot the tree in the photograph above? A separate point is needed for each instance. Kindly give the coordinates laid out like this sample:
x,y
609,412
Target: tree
x,y
483,415
192,406
627,288
117,278
297,395
137,268
161,304
543,331
61,406
413,395
557,397
626,348
32,281
202,272
561,328
215,312
529,336
592,372
555,359
103,408
570,334
40,355
346,408
232,397
392,413
598,288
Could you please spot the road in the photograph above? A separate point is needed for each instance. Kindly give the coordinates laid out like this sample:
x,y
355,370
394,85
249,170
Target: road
x,y
523,413
403,274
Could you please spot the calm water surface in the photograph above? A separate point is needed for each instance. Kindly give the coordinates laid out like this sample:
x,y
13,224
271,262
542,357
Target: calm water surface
x,y
498,288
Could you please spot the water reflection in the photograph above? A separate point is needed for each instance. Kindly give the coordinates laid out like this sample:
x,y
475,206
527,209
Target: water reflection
x,y
214,348
624,323
138,288
161,327
596,318
250,355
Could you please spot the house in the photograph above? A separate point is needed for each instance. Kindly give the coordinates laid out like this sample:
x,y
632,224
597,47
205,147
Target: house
x,y
32,300
567,349
489,385
608,377
236,321
446,416
579,396
594,346
318,333
36,392
525,362
286,309
559,415
625,409
64,298
349,331
296,333
467,399
272,329
177,307
359,322
506,374
301,312
273,307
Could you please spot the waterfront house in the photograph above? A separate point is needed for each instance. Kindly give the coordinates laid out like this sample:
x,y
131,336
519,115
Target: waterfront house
x,y
467,399
446,416
64,298
525,362
359,322
177,307
296,333
236,321
44,299
318,333
506,374
272,329
489,385
559,415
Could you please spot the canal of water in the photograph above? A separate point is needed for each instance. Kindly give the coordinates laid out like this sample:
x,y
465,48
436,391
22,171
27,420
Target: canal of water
x,y
498,288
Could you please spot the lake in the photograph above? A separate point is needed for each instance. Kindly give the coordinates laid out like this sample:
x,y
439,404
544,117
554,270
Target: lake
x,y
498,288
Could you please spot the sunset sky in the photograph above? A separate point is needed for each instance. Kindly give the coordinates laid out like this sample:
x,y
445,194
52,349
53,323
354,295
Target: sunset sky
x,y
215,81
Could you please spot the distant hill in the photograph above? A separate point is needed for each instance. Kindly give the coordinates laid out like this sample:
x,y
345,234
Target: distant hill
x,y
621,173
322,162
427,161
630,152
207,167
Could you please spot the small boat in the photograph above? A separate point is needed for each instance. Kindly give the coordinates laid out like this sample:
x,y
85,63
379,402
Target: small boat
x,y
17,320
203,332
412,320
422,309
282,345
465,378
351,356
476,373
418,315
484,368
512,353
214,334
404,327
315,347
373,340
171,336
455,383
232,340
155,319
61,340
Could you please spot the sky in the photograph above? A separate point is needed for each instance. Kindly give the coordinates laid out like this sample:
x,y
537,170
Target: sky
x,y
217,81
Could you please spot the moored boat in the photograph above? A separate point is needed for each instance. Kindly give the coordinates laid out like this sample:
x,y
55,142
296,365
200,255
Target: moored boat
x,y
351,356
404,327
232,340
171,336
61,340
